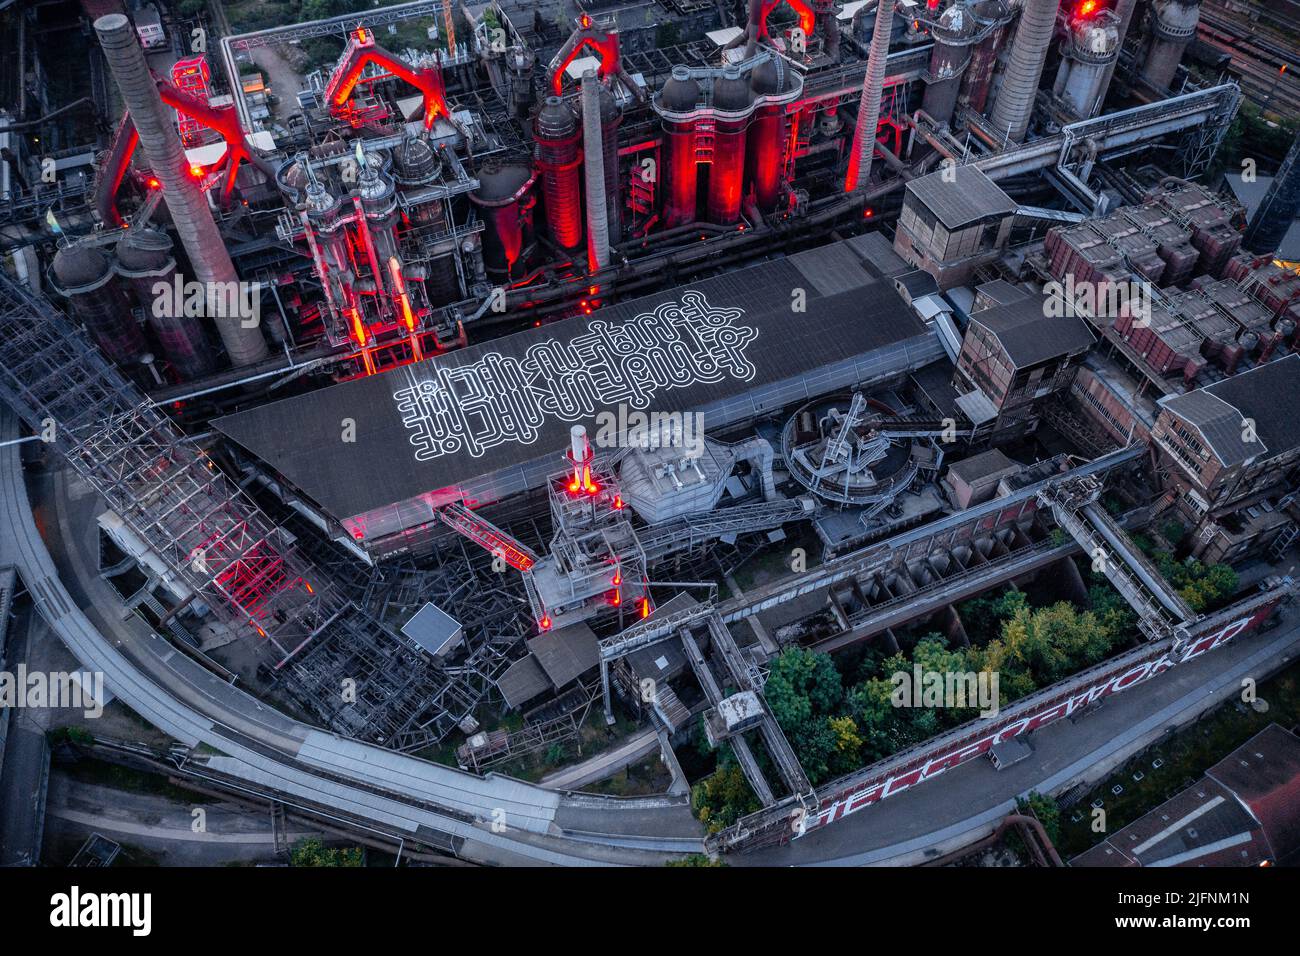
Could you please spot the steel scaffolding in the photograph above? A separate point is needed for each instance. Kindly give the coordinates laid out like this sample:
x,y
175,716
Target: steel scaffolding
x,y
236,559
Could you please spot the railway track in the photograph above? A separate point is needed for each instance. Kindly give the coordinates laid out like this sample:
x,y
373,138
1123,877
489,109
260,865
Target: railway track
x,y
1267,70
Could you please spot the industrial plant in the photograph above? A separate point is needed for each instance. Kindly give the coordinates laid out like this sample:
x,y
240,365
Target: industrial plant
x,y
431,418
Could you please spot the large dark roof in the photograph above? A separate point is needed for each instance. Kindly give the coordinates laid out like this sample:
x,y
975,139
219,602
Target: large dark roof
x,y
1264,774
1030,335
482,409
960,200
1267,394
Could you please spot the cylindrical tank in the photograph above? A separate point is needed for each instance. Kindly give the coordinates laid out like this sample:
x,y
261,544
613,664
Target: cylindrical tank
x,y
1173,27
188,207
1277,213
727,172
992,18
953,36
678,182
144,259
766,141
1015,100
1091,46
503,197
85,275
556,133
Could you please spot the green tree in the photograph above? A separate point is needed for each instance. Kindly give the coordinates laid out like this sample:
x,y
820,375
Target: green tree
x,y
802,684
312,852
1046,809
696,859
722,798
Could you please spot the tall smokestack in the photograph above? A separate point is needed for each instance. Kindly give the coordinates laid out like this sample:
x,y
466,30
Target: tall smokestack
x,y
1015,102
593,164
864,136
189,209
1124,10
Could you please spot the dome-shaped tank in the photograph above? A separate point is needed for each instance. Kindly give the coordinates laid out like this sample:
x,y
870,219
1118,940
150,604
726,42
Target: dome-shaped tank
x,y
948,61
144,259
503,196
680,93
679,182
1095,38
556,133
415,163
730,91
84,274
956,24
770,78
1173,27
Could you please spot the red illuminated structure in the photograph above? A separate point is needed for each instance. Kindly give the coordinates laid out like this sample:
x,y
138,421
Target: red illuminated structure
x,y
222,120
601,41
807,19
190,76
558,158
362,51
739,132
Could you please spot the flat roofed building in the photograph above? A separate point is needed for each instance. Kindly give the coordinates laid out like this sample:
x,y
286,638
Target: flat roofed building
x,y
492,420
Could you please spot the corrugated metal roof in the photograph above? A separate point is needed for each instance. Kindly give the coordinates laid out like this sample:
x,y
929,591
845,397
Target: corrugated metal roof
x,y
1266,395
963,199
522,681
1030,335
436,425
566,652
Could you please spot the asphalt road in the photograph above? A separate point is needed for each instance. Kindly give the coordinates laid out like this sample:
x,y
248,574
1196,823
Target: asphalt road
x,y
966,801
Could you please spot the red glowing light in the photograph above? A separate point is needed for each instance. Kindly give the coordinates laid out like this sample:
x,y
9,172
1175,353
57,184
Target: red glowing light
x,y
307,585
196,171
545,622
643,607
868,213
618,502
1087,8
153,183
617,579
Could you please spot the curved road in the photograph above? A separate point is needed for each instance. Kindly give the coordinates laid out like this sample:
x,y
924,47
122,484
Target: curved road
x,y
491,820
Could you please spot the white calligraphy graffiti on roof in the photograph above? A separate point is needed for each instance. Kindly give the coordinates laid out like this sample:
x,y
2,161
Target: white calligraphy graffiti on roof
x,y
502,398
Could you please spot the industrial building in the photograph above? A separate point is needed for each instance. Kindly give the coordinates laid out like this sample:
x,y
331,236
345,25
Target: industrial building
x,y
470,357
